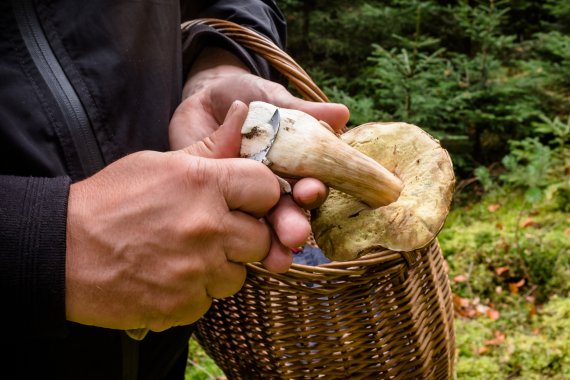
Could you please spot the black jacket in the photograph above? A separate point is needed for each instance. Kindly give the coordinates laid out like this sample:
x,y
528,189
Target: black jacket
x,y
83,83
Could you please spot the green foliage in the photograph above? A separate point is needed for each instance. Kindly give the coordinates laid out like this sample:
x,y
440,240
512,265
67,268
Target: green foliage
x,y
399,76
527,166
200,366
362,108
541,169
484,177
480,71
561,12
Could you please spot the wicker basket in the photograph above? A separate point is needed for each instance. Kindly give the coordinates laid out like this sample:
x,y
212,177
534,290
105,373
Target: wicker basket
x,y
387,315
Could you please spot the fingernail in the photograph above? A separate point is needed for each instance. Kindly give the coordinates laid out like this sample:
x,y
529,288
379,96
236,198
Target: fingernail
x,y
233,108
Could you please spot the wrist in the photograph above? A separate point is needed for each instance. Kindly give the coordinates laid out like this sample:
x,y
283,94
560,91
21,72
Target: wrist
x,y
213,63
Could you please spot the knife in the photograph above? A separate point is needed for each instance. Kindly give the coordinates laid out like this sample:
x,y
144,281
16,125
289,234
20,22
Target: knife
x,y
274,122
258,140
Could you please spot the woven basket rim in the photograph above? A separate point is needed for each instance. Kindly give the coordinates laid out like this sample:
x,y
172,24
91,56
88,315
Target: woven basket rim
x,y
339,267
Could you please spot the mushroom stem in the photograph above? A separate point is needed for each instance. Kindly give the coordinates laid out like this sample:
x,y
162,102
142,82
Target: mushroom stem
x,y
305,148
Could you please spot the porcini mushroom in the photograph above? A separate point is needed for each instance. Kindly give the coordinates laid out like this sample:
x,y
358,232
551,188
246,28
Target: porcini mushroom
x,y
344,230
298,146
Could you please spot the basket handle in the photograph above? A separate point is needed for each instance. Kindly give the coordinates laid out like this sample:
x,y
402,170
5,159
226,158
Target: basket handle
x,y
264,47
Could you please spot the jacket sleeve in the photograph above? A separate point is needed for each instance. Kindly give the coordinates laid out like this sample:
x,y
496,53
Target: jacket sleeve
x,y
33,215
261,15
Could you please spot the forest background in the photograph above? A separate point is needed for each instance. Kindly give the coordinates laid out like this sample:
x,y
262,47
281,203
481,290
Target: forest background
x,y
490,80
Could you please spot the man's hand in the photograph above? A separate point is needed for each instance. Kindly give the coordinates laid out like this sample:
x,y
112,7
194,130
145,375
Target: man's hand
x,y
215,81
152,238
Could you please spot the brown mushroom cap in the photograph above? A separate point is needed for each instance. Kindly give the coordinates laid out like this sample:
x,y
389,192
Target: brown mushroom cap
x,y
345,228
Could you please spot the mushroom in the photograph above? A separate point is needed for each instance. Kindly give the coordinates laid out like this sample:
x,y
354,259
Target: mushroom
x,y
345,230
391,183
302,146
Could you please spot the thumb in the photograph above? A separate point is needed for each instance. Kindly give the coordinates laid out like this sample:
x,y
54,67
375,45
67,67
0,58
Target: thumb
x,y
225,142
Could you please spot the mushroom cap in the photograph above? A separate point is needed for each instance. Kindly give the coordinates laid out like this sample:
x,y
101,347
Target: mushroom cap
x,y
345,229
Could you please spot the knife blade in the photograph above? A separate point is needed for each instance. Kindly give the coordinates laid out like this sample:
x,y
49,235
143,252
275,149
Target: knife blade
x,y
257,142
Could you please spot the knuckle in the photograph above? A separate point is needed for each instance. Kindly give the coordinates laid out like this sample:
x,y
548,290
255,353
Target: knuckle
x,y
198,173
202,226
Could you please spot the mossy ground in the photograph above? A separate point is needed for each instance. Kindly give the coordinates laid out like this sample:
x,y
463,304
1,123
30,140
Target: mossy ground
x,y
509,267
512,258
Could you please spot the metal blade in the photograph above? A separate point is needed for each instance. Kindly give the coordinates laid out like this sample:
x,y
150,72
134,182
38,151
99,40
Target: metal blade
x,y
275,122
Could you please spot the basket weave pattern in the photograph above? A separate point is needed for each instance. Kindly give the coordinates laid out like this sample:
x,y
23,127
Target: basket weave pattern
x,y
386,315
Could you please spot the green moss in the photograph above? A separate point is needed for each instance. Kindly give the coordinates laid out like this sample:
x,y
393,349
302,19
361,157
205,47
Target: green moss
x,y
532,241
504,230
537,349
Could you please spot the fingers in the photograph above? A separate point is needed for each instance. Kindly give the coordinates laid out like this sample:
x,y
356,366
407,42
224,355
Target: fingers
x,y
334,114
291,227
248,186
225,142
289,222
246,239
310,193
279,258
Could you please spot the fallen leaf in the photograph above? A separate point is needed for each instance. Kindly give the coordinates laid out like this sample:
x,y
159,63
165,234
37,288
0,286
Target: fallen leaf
x,y
515,286
493,314
482,350
567,231
463,307
493,207
528,222
458,301
498,340
460,278
500,270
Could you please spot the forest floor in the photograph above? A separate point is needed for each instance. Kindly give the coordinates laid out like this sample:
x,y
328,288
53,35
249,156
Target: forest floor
x,y
509,269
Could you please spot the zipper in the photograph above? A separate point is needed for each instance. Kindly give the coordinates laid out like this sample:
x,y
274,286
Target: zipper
x,y
75,116
77,123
